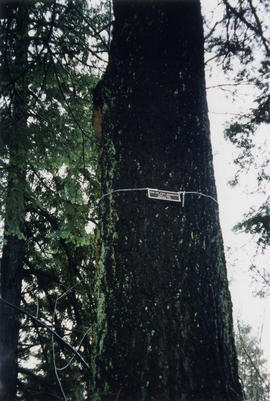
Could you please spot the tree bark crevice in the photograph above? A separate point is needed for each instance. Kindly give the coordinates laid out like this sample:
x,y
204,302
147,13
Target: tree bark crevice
x,y
13,251
164,323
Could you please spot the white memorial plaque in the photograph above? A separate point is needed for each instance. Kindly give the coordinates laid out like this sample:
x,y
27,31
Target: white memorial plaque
x,y
163,195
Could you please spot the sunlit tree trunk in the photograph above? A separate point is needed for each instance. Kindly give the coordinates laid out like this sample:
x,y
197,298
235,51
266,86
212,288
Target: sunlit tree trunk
x,y
13,249
164,316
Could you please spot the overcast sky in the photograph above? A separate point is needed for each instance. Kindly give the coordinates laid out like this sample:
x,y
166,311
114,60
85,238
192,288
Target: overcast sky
x,y
234,202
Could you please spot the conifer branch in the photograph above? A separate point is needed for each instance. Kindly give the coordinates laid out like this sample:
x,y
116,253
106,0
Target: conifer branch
x,y
47,327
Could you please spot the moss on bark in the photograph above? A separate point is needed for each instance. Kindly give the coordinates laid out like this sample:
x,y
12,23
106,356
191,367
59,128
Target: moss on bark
x,y
164,323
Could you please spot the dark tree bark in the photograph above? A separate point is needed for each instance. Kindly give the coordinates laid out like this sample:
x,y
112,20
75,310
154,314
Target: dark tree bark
x,y
164,319
13,249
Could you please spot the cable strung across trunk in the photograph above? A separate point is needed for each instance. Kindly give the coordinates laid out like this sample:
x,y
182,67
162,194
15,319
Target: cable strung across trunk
x,y
164,316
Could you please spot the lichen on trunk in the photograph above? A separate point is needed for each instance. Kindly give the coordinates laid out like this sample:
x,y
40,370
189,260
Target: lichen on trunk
x,y
164,319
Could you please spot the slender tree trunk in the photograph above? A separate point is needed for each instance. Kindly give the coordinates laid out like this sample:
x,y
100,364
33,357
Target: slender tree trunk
x,y
164,319
13,249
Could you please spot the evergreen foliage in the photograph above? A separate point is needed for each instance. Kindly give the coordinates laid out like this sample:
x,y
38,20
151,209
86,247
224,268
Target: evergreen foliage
x,y
252,370
59,157
242,47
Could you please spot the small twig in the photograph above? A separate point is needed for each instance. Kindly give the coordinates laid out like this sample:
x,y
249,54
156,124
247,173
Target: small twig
x,y
242,83
225,113
71,359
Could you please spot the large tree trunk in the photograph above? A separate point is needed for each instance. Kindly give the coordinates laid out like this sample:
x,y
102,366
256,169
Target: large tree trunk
x,y
13,249
164,319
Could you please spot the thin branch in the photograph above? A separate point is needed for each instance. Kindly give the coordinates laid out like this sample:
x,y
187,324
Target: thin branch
x,y
95,31
253,268
256,29
225,113
242,83
213,29
259,28
53,350
250,359
211,58
79,346
40,323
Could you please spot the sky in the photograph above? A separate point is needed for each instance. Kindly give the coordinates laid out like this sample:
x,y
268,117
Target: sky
x,y
234,202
